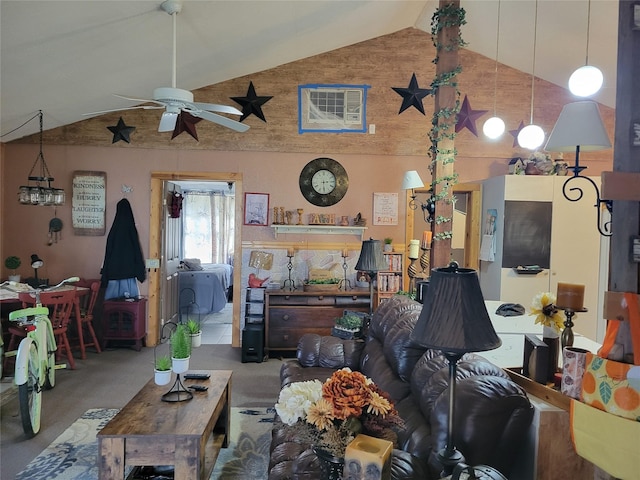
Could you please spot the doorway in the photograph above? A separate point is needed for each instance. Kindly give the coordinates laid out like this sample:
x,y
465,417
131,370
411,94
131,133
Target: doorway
x,y
466,223
157,276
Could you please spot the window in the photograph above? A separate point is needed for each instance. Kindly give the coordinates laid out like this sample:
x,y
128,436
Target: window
x,y
332,108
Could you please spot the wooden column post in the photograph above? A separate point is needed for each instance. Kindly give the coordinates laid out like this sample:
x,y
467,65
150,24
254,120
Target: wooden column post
x,y
624,273
442,155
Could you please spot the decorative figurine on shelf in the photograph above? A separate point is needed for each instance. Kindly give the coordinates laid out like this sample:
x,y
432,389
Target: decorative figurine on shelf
x,y
289,217
255,282
300,213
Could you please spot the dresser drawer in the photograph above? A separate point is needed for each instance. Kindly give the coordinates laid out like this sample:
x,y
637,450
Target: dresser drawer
x,y
282,317
353,301
293,300
288,338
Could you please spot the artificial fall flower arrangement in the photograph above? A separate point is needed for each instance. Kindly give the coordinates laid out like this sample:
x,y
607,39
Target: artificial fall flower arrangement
x,y
546,312
329,415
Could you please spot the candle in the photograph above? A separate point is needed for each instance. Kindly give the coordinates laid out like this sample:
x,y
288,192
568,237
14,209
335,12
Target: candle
x,y
570,296
426,239
414,248
345,252
290,252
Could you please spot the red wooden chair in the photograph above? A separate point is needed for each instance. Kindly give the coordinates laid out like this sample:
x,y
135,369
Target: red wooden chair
x,y
83,316
60,304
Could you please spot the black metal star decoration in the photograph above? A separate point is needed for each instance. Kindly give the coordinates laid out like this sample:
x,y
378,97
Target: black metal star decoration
x,y
468,116
412,96
186,123
514,133
121,131
252,103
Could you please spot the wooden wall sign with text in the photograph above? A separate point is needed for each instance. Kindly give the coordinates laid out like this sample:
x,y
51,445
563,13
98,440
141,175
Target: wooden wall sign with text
x,y
89,199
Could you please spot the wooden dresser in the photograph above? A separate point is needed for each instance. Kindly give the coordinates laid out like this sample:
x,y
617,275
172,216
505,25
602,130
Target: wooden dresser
x,y
291,314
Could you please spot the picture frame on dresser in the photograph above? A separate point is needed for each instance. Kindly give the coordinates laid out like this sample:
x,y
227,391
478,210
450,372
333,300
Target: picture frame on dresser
x,y
256,209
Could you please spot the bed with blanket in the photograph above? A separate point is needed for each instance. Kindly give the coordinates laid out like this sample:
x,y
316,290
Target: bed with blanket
x,y
203,287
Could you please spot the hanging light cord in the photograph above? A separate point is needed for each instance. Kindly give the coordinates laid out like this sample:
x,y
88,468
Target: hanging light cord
x,y
20,126
533,68
44,170
495,78
586,60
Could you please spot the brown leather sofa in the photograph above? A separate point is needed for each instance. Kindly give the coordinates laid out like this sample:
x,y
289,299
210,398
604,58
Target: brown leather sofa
x,y
492,413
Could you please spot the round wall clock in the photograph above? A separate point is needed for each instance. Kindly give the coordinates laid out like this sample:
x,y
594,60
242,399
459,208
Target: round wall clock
x,y
323,182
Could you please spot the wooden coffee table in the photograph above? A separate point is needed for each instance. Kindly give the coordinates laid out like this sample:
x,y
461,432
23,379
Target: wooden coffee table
x,y
187,435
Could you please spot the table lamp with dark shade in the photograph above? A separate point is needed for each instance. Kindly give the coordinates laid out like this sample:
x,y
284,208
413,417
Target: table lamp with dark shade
x,y
36,263
372,261
454,319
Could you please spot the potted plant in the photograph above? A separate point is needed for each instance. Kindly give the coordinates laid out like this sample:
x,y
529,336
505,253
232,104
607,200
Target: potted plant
x,y
12,263
180,349
348,326
388,247
195,333
162,370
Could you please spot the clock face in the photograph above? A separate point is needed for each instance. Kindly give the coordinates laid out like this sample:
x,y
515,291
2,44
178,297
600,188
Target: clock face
x,y
323,182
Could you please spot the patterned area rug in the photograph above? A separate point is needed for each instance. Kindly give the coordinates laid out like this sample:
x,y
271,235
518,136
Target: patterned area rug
x,y
72,456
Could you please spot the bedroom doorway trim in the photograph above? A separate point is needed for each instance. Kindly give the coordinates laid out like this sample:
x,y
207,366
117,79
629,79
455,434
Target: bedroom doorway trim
x,y
155,246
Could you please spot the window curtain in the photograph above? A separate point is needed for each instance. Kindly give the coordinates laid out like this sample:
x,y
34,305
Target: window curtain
x,y
209,227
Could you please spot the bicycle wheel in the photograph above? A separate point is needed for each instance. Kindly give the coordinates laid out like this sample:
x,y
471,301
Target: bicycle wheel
x,y
50,374
30,395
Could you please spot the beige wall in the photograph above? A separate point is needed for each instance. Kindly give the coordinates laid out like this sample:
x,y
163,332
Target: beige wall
x,y
270,155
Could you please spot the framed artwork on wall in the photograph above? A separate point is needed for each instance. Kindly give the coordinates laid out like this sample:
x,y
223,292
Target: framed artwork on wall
x,y
256,209
88,203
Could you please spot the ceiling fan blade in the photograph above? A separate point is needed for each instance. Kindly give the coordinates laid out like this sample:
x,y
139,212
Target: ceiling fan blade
x,y
144,107
168,122
212,107
219,119
141,100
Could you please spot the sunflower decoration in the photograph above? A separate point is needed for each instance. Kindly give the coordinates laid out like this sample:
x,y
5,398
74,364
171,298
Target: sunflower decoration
x,y
546,312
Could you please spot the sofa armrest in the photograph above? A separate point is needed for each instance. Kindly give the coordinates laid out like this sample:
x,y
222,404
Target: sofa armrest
x,y
329,352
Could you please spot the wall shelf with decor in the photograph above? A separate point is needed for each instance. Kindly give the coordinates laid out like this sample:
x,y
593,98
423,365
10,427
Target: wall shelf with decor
x,y
319,230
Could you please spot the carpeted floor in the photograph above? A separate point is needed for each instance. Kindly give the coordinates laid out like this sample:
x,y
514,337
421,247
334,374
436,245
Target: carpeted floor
x,y
72,456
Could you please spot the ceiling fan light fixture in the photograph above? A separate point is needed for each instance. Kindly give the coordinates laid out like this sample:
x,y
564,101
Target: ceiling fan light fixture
x,y
586,81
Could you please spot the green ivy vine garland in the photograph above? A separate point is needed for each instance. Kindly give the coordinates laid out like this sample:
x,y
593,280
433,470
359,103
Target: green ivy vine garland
x,y
444,17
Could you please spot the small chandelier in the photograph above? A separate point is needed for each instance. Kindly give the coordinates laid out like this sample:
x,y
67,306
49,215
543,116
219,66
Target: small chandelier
x,y
39,194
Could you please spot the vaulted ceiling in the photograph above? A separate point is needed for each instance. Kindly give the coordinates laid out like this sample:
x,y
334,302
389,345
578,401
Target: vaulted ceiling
x,y
67,58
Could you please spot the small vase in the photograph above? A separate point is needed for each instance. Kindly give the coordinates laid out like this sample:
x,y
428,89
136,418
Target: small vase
x,y
552,338
196,339
180,365
330,466
162,377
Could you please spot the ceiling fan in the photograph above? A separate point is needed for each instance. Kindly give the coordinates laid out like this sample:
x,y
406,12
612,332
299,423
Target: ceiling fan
x,y
176,100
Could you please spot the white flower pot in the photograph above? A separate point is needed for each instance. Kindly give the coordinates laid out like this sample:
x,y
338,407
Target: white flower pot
x,y
162,377
14,278
196,339
180,365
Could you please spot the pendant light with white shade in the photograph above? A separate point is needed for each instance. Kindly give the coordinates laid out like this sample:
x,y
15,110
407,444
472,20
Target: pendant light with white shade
x,y
494,127
586,80
532,136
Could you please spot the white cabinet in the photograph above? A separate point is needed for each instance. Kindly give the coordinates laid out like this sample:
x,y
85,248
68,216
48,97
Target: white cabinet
x,y
536,224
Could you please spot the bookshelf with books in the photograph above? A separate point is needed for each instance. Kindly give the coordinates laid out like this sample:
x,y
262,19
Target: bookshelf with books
x,y
389,281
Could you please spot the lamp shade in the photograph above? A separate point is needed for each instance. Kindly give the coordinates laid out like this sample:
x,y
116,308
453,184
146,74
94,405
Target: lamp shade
x,y
579,124
411,180
36,261
371,257
454,317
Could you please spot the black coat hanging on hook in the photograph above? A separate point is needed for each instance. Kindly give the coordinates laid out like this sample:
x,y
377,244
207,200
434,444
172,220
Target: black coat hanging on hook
x,y
175,204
